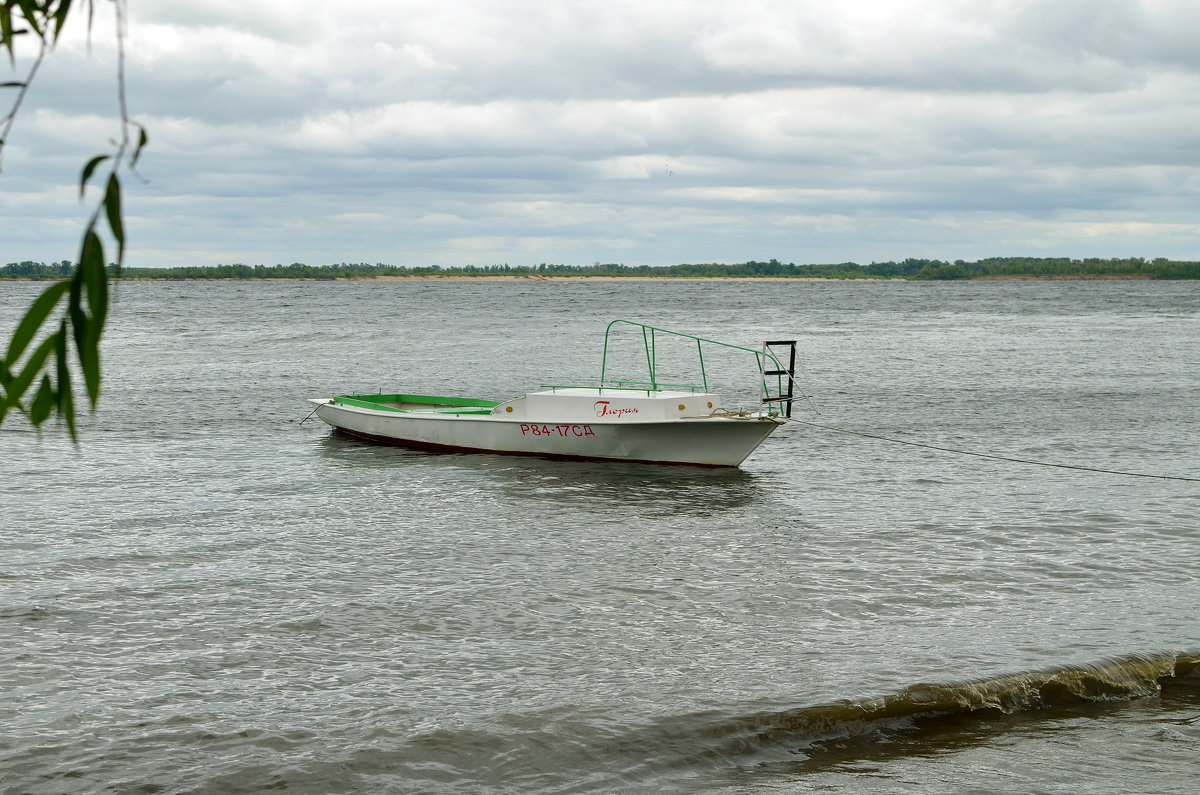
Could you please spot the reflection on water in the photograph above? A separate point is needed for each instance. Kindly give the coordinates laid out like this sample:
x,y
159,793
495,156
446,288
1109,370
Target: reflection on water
x,y
657,489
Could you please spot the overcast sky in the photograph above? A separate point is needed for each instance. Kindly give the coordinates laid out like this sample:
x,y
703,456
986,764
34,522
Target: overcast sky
x,y
485,132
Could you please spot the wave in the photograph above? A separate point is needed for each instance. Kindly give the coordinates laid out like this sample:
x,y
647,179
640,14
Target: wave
x,y
567,750
736,749
924,717
1114,679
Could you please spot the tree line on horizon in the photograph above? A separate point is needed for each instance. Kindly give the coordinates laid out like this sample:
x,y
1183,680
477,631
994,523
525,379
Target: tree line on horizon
x,y
911,269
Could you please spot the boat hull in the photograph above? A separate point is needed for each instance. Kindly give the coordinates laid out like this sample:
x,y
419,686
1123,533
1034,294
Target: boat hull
x,y
716,441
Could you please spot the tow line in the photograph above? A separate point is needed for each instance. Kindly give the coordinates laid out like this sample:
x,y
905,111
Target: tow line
x,y
990,455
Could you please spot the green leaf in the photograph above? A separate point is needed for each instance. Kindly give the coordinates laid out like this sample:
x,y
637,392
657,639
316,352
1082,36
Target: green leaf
x,y
34,317
112,206
143,139
95,282
20,384
87,330
88,169
6,32
29,10
43,402
66,403
60,17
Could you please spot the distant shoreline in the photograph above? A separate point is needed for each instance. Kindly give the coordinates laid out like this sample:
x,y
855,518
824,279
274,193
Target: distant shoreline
x,y
491,278
1132,277
992,268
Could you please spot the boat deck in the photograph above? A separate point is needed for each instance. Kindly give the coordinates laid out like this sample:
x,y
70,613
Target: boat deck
x,y
424,404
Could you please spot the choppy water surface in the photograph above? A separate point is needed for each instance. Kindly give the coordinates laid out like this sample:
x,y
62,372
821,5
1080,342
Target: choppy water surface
x,y
208,595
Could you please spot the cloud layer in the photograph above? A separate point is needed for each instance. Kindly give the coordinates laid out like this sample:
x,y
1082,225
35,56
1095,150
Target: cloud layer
x,y
476,132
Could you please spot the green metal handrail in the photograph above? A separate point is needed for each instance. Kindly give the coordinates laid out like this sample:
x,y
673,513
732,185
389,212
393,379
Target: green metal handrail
x,y
648,340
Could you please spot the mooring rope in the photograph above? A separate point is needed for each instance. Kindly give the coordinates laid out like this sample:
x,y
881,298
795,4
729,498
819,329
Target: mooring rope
x,y
992,456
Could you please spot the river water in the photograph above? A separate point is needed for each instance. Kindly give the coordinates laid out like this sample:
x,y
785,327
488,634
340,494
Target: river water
x,y
208,595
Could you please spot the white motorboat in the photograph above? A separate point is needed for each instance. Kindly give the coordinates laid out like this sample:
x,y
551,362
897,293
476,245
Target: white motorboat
x,y
643,421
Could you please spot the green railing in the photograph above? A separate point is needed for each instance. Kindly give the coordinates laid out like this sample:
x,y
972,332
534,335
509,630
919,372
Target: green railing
x,y
649,335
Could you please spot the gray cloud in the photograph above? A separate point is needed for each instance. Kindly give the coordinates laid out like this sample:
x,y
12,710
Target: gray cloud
x,y
473,132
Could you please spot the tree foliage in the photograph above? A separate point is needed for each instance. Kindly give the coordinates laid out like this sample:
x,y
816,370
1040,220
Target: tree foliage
x,y
68,317
916,269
